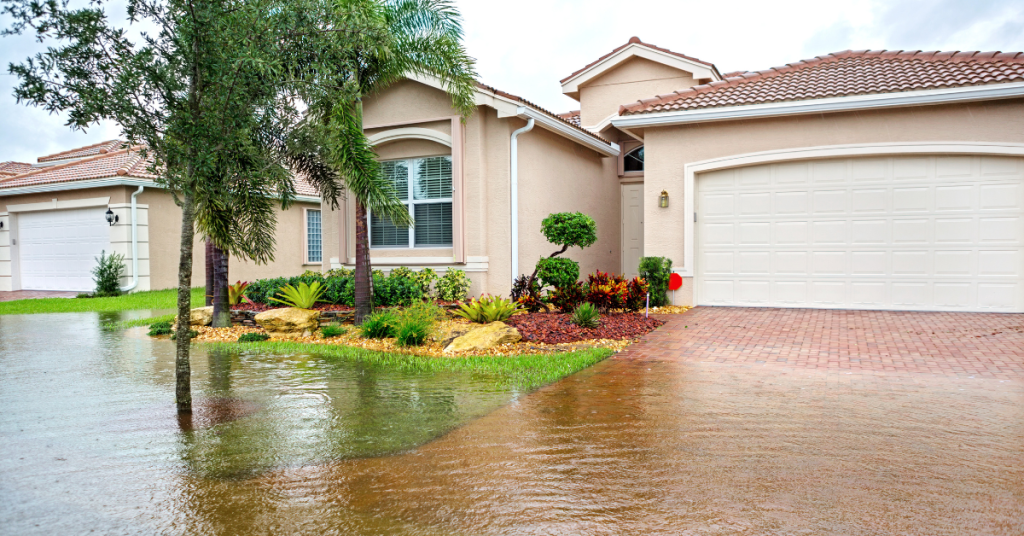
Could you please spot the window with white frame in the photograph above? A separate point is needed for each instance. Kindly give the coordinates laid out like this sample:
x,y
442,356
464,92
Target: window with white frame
x,y
314,241
425,186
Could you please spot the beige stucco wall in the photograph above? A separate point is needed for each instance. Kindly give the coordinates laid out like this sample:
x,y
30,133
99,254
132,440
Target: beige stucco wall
x,y
556,175
635,79
165,233
669,149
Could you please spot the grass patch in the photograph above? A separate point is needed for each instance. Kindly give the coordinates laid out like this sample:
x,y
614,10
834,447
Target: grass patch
x,y
526,372
153,299
126,324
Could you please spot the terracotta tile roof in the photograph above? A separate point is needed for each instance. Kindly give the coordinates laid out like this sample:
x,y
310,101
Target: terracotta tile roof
x,y
521,100
842,74
635,41
120,163
10,169
571,117
89,150
127,162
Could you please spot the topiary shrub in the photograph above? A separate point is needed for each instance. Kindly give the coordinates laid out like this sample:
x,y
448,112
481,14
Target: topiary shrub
x,y
558,272
453,286
656,271
254,337
107,274
566,229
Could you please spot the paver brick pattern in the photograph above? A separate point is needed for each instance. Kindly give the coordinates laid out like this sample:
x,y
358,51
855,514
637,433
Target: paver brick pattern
x,y
32,294
963,345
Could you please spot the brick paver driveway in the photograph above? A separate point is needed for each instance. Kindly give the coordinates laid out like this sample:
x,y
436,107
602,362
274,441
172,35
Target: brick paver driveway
x,y
959,344
30,294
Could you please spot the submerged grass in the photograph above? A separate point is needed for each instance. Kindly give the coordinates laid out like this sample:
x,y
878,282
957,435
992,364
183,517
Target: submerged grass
x,y
526,372
126,324
153,299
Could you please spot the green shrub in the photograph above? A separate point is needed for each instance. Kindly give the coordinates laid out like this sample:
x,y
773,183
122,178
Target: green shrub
x,y
568,298
398,288
107,274
339,272
488,309
558,272
570,229
586,316
425,278
304,296
332,330
656,271
453,286
379,325
254,337
340,290
263,290
191,334
160,328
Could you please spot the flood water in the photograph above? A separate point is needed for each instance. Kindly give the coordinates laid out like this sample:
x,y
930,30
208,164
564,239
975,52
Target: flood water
x,y
301,445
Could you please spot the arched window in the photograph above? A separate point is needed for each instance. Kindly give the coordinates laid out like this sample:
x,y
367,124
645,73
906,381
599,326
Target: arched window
x,y
634,160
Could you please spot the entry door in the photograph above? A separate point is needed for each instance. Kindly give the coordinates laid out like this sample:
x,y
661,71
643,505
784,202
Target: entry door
x,y
927,233
58,249
632,228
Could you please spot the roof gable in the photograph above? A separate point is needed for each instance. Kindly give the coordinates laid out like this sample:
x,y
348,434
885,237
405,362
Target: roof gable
x,y
103,147
843,74
636,48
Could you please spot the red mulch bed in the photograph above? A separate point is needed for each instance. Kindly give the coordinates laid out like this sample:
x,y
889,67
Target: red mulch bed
x,y
555,328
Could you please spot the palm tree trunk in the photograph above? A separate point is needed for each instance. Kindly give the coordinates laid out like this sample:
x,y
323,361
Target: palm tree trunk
x,y
182,369
363,277
209,272
221,307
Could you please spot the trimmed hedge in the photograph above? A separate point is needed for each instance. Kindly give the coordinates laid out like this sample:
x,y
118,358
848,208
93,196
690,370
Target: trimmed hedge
x,y
401,287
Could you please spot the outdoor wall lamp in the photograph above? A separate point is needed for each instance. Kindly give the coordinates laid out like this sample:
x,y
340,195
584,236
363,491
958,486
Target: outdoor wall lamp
x,y
663,200
111,217
1,225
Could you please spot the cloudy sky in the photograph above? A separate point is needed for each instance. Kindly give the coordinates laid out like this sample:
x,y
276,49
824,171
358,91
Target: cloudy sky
x,y
526,46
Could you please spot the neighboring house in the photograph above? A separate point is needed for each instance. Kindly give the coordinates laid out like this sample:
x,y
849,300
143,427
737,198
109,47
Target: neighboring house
x,y
870,179
53,224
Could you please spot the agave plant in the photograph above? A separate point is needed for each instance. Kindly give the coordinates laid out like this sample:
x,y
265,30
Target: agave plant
x,y
302,297
236,293
488,309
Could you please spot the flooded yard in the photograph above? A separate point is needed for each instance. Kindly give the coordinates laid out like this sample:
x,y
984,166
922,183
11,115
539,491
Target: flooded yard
x,y
304,445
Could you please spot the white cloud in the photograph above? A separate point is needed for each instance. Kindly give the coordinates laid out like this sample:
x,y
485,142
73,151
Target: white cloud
x,y
526,47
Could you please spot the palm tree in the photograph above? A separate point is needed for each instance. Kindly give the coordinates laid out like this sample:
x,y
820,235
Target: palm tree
x,y
396,38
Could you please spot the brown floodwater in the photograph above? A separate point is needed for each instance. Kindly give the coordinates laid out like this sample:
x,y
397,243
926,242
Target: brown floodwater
x,y
301,445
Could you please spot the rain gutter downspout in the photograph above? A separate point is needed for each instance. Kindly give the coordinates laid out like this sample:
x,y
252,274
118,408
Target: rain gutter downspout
x,y
515,196
135,243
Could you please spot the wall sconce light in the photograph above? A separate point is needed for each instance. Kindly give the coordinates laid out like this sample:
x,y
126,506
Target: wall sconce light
x,y
1,225
111,217
663,200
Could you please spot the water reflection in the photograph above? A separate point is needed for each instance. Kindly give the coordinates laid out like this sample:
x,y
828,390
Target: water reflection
x,y
296,444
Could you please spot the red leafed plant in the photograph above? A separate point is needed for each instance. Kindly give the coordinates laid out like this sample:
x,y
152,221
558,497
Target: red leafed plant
x,y
606,291
636,294
569,297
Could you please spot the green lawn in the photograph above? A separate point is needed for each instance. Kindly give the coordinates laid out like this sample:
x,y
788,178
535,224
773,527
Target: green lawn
x,y
526,372
155,299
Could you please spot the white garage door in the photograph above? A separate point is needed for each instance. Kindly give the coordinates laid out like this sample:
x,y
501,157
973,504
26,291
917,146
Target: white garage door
x,y
902,233
59,248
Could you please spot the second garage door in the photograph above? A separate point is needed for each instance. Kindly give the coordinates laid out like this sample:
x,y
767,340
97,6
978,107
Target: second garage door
x,y
58,249
901,233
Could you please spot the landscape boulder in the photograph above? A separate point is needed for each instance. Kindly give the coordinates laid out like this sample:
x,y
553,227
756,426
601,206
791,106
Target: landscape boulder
x,y
289,323
200,316
484,337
